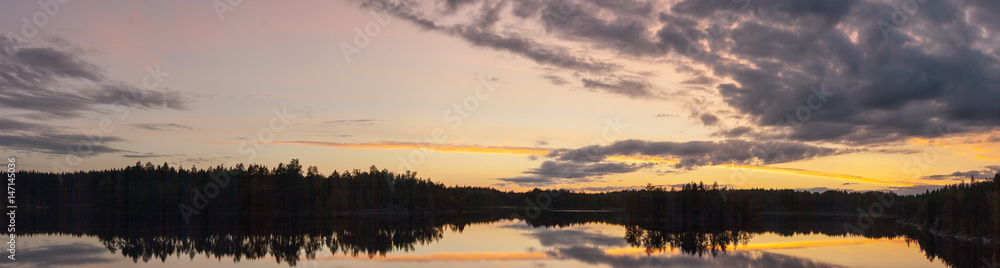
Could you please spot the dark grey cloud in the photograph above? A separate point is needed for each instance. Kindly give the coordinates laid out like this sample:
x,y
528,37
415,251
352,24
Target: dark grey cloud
x,y
58,83
735,132
634,88
708,119
76,144
586,164
700,80
933,71
913,190
573,170
556,172
161,127
11,125
598,256
982,174
693,154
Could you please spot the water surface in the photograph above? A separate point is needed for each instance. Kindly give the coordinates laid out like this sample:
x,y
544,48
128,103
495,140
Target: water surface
x,y
564,239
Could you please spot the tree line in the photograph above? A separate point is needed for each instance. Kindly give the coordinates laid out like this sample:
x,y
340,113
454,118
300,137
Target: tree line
x,y
165,193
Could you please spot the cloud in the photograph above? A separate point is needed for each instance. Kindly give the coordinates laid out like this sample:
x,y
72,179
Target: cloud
x,y
635,88
358,122
79,145
147,155
161,127
481,30
693,154
11,125
557,172
572,170
57,83
708,119
596,256
913,190
586,163
934,71
986,173
735,132
416,145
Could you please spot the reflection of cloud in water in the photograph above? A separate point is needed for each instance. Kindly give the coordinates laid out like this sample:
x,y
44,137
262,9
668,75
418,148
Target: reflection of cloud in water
x,y
74,254
595,256
592,248
563,237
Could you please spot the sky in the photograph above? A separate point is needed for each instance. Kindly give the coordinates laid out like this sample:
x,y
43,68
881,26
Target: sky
x,y
583,95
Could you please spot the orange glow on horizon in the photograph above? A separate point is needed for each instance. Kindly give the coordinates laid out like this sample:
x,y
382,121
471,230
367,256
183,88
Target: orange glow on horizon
x,y
815,173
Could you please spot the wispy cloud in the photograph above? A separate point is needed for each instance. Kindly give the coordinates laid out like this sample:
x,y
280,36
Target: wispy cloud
x,y
59,143
161,127
389,145
358,122
56,83
982,174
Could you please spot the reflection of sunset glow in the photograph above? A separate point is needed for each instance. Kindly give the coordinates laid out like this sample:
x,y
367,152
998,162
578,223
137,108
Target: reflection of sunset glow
x,y
469,256
416,145
804,244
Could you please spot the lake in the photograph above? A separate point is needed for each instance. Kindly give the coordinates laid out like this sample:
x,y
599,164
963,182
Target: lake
x,y
553,239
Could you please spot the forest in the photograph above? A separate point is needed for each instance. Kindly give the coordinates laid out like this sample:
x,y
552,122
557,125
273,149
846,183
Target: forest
x,y
201,196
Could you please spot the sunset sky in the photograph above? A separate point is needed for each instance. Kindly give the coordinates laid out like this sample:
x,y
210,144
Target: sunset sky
x,y
584,95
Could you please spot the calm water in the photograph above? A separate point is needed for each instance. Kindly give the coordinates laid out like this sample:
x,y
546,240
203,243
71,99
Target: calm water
x,y
558,240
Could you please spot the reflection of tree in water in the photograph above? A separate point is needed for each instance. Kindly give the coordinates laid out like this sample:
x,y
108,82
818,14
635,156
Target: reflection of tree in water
x,y
351,237
287,239
953,252
689,242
